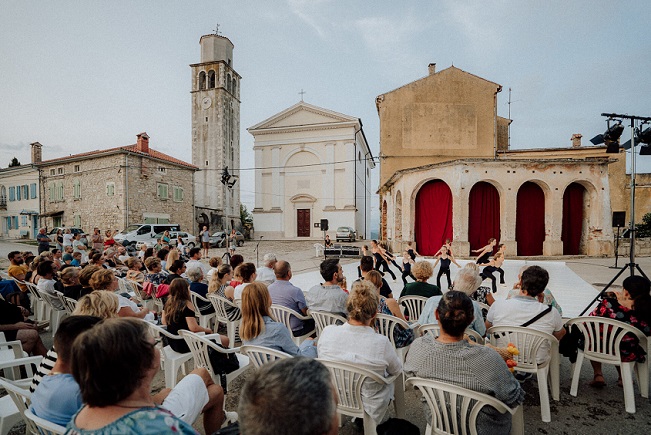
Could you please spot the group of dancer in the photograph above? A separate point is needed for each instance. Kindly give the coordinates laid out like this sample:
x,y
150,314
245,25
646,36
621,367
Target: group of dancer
x,y
444,256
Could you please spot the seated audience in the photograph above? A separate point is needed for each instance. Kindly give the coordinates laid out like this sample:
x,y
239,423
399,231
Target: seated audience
x,y
105,280
219,284
548,297
135,273
521,309
328,296
76,259
69,283
422,271
214,264
248,274
365,266
466,281
266,273
114,364
197,286
57,397
176,269
401,336
172,256
16,326
357,342
195,257
162,256
632,306
450,359
259,329
290,396
286,294
482,294
155,273
84,279
46,271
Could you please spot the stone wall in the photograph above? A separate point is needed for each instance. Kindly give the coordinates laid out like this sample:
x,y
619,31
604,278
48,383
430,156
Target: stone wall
x,y
642,247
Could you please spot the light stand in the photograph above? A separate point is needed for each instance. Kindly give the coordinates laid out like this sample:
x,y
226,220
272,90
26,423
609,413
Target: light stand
x,y
257,252
616,248
631,264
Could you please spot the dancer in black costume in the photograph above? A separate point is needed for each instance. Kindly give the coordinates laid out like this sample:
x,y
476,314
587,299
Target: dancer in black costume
x,y
494,266
445,258
380,259
485,252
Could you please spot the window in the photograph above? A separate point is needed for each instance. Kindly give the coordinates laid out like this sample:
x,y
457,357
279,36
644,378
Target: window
x,y
59,191
110,189
15,224
3,195
77,169
51,188
178,194
77,221
32,190
202,80
57,221
18,193
23,221
76,189
59,171
53,171
8,223
162,169
211,79
25,191
12,193
162,191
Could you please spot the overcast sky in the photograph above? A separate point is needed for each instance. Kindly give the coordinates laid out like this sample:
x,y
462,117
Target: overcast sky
x,y
78,76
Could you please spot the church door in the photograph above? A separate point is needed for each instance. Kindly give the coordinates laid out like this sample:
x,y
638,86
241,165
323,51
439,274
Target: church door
x,y
530,219
573,204
303,222
433,216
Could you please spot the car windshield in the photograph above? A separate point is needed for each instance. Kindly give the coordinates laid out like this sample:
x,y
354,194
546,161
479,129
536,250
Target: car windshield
x,y
218,234
130,228
343,229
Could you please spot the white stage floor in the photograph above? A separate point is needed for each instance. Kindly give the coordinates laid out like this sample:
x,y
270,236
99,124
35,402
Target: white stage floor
x,y
570,290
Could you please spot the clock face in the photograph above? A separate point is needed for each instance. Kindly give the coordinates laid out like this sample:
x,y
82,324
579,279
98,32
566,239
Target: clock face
x,y
206,102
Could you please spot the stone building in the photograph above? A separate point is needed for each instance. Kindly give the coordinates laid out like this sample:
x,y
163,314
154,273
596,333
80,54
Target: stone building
x,y
19,199
115,187
447,173
216,134
311,164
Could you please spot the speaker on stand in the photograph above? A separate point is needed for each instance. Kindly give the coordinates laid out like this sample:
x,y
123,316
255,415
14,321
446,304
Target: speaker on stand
x,y
324,227
619,220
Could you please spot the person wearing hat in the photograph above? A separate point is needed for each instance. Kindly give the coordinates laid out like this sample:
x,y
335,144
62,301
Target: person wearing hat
x,y
67,258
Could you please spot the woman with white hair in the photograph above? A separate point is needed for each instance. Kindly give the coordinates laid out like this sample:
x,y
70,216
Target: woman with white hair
x,y
195,275
466,281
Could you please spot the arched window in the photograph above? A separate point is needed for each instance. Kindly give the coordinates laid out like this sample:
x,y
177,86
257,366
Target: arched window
x,y
211,79
234,86
202,81
229,86
3,195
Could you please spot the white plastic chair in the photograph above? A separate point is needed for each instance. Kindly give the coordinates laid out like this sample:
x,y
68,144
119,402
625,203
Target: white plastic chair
x,y
602,339
199,347
414,306
348,380
68,303
528,341
158,302
319,249
385,325
13,405
455,409
140,295
232,321
324,318
56,309
11,351
205,320
171,361
44,426
38,305
432,328
284,314
260,355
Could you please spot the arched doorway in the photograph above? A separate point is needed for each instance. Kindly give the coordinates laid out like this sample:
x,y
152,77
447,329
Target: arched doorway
x,y
530,219
483,215
383,223
573,207
433,216
398,218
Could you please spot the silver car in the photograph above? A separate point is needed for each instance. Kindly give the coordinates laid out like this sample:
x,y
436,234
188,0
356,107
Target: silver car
x,y
345,234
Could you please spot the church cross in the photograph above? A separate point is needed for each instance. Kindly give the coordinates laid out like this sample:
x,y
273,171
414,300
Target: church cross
x,y
216,29
302,93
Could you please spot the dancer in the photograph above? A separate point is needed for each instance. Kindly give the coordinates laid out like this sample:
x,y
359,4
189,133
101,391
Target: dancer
x,y
389,257
407,262
380,259
485,252
411,251
494,265
365,253
445,258
447,244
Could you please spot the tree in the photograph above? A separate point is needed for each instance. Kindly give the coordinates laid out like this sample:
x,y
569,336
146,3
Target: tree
x,y
14,162
644,229
245,217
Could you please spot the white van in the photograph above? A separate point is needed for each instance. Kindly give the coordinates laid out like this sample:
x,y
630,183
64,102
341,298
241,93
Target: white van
x,y
143,233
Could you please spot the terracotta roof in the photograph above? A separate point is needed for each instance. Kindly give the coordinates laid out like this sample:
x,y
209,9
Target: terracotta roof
x,y
129,148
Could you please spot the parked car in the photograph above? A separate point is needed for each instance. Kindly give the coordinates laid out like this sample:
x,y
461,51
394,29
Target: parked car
x,y
143,233
345,234
220,239
73,230
189,240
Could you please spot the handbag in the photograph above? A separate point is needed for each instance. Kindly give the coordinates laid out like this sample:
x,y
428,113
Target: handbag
x,y
222,364
570,343
162,290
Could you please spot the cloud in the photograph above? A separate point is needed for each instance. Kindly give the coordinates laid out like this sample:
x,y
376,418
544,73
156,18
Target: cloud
x,y
305,10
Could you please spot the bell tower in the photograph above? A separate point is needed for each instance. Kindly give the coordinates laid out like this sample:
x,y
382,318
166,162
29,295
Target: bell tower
x,y
216,134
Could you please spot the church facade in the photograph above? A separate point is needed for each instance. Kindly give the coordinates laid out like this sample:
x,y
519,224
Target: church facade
x,y
215,135
311,164
447,173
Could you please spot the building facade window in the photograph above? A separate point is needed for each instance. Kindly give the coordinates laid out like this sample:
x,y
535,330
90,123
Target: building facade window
x,y
58,194
76,189
12,193
110,189
25,191
53,171
77,221
162,169
3,195
178,194
18,193
59,171
23,221
163,192
77,168
32,190
15,225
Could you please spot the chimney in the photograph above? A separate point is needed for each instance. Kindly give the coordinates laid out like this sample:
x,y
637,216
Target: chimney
x,y
143,143
432,68
576,140
37,153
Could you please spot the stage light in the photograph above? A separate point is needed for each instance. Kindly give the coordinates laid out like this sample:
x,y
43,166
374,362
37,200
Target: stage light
x,y
642,136
610,137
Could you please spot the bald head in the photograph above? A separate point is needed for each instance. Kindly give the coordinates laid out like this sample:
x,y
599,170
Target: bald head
x,y
283,270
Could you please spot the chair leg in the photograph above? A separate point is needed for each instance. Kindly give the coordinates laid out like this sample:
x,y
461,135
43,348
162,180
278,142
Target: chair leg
x,y
170,375
517,422
370,426
555,376
627,383
643,377
576,373
230,330
428,429
543,389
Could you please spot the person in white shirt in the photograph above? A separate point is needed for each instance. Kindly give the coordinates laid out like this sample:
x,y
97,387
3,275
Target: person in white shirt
x,y
357,342
248,274
266,273
521,309
328,296
195,256
46,270
67,238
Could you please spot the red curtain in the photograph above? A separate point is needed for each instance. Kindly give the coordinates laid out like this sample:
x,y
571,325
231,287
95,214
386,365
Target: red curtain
x,y
530,219
433,217
484,215
572,219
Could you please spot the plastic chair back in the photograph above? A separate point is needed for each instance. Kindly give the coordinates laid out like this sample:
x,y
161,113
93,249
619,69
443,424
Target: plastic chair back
x,y
43,426
324,318
414,306
260,355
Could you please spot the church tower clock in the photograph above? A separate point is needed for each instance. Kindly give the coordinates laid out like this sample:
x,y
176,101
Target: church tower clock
x,y
216,134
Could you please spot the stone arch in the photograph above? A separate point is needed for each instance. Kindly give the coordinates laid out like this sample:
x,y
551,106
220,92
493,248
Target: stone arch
x,y
578,197
484,215
234,87
530,218
433,216
397,226
211,79
229,85
202,80
308,150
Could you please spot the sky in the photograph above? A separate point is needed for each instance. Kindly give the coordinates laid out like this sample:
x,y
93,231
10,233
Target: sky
x,y
79,76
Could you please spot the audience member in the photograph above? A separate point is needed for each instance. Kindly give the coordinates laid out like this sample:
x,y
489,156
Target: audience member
x,y
248,274
155,273
401,336
177,269
46,271
16,326
43,241
84,279
365,266
266,273
450,359
195,257
286,294
197,286
105,280
290,396
214,263
422,271
328,296
357,342
219,283
548,297
134,273
69,283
